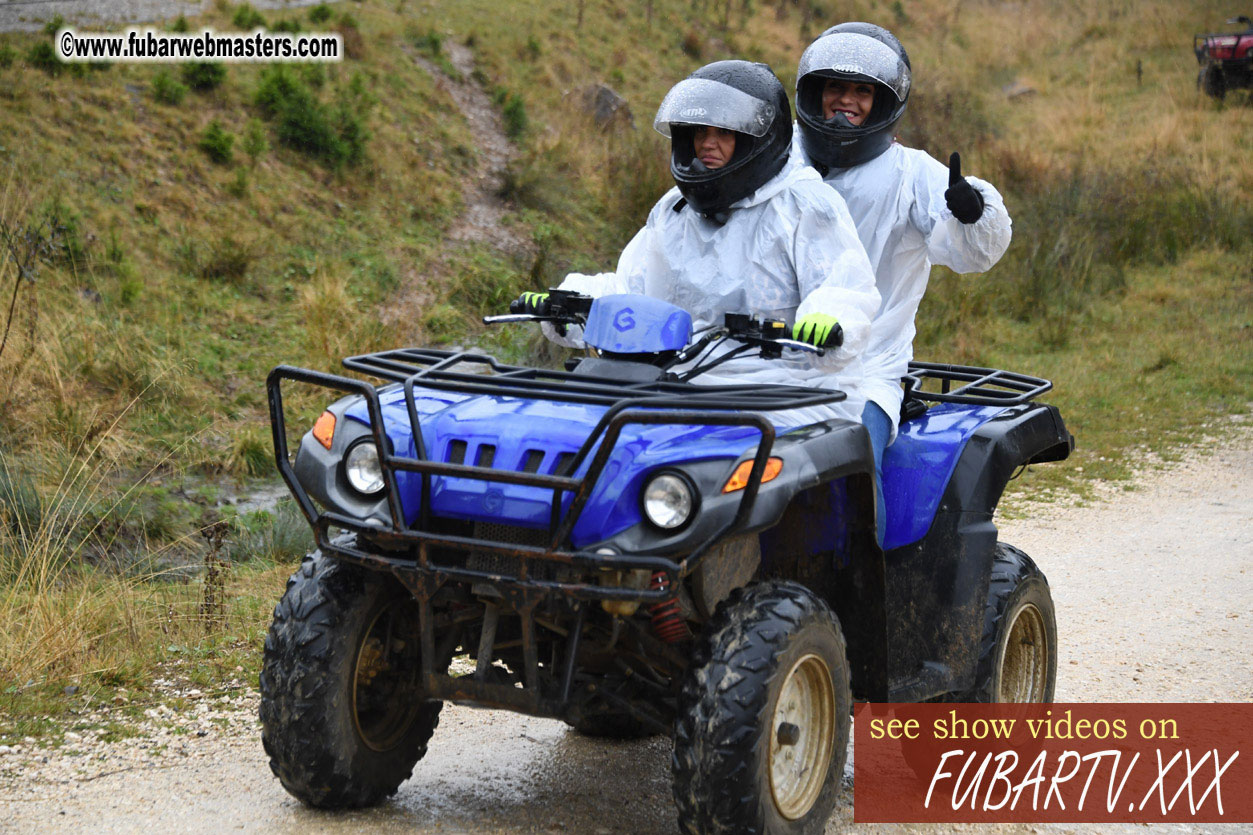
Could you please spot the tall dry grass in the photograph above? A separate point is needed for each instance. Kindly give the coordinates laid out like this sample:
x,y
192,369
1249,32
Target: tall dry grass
x,y
62,614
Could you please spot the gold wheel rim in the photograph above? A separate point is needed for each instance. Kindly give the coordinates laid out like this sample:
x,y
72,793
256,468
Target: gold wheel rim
x,y
1024,659
802,737
375,682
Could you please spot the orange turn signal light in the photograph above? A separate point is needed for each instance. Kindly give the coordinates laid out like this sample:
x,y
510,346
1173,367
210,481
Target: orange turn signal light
x,y
324,429
739,478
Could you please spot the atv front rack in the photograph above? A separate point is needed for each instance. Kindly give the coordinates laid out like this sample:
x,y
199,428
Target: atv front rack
x,y
655,402
971,385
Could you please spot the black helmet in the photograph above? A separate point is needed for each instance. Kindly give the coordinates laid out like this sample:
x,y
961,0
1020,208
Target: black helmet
x,y
735,95
852,52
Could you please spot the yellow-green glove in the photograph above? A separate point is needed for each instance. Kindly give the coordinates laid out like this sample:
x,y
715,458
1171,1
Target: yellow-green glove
x,y
819,330
530,302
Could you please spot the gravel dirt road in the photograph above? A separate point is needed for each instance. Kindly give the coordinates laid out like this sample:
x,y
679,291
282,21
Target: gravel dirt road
x,y
1153,586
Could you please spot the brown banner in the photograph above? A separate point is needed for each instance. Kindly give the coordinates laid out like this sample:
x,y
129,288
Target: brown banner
x,y
1058,763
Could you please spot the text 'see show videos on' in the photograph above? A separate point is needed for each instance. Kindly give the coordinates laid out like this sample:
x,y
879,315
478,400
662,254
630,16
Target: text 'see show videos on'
x,y
1053,763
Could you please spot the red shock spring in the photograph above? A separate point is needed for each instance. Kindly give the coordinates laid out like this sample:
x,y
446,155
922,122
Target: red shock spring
x,y
667,618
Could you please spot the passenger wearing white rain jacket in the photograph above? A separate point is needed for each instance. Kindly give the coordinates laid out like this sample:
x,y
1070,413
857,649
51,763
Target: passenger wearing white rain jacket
x,y
749,235
911,212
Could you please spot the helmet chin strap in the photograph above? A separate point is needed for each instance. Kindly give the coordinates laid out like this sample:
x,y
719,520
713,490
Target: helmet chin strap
x,y
839,120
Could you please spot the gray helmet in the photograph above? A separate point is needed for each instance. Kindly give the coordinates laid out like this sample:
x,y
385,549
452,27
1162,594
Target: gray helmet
x,y
735,95
855,52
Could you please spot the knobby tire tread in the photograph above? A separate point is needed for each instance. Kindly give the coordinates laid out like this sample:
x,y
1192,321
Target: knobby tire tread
x,y
1011,567
300,706
722,701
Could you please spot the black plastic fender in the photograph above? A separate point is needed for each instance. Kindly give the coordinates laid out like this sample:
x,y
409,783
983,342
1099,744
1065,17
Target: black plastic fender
x,y
937,586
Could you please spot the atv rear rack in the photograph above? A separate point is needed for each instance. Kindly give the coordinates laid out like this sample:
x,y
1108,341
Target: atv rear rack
x,y
656,402
975,386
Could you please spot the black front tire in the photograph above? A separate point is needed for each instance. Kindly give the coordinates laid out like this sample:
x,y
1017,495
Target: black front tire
x,y
762,730
1018,652
1213,82
343,717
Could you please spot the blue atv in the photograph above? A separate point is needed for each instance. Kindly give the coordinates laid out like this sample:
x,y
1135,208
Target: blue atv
x,y
618,547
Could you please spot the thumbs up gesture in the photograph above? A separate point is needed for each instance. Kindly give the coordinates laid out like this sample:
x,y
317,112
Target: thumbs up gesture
x,y
963,199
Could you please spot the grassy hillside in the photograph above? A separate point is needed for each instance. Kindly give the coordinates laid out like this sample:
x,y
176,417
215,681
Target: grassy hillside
x,y
188,229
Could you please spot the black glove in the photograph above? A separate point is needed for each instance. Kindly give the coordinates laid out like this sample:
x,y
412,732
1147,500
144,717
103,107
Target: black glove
x,y
963,199
534,303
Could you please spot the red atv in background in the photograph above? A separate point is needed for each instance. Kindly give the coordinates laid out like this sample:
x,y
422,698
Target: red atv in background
x,y
1225,60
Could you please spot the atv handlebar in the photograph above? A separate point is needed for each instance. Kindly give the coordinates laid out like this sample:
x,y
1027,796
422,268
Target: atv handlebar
x,y
564,307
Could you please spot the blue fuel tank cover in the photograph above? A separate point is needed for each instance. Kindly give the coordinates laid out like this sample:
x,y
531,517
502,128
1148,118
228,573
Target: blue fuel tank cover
x,y
633,324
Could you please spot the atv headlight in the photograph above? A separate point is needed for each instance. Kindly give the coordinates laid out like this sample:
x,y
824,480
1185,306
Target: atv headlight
x,y
668,501
363,469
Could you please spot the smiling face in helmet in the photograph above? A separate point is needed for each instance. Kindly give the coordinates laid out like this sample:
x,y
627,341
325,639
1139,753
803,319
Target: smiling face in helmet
x,y
853,121
713,146
852,98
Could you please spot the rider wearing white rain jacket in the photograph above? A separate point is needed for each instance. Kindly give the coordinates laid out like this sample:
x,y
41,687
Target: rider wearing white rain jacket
x,y
904,202
897,202
852,87
786,250
747,233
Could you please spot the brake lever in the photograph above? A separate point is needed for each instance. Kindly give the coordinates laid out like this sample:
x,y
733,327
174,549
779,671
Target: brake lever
x,y
555,318
797,345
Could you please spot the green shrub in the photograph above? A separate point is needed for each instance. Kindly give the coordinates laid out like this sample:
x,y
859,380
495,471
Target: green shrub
x,y
43,56
252,452
314,75
246,17
180,24
540,179
334,135
130,289
255,144
238,187
217,143
167,89
514,113
204,75
278,535
533,48
443,321
54,25
65,242
7,56
430,42
485,286
229,260
292,27
278,88
320,13
305,125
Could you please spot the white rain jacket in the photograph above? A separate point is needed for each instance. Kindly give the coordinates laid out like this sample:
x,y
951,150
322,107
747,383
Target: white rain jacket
x,y
787,250
897,202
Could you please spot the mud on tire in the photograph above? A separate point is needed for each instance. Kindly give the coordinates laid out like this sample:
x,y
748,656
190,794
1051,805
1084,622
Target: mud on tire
x,y
1018,651
342,715
762,730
